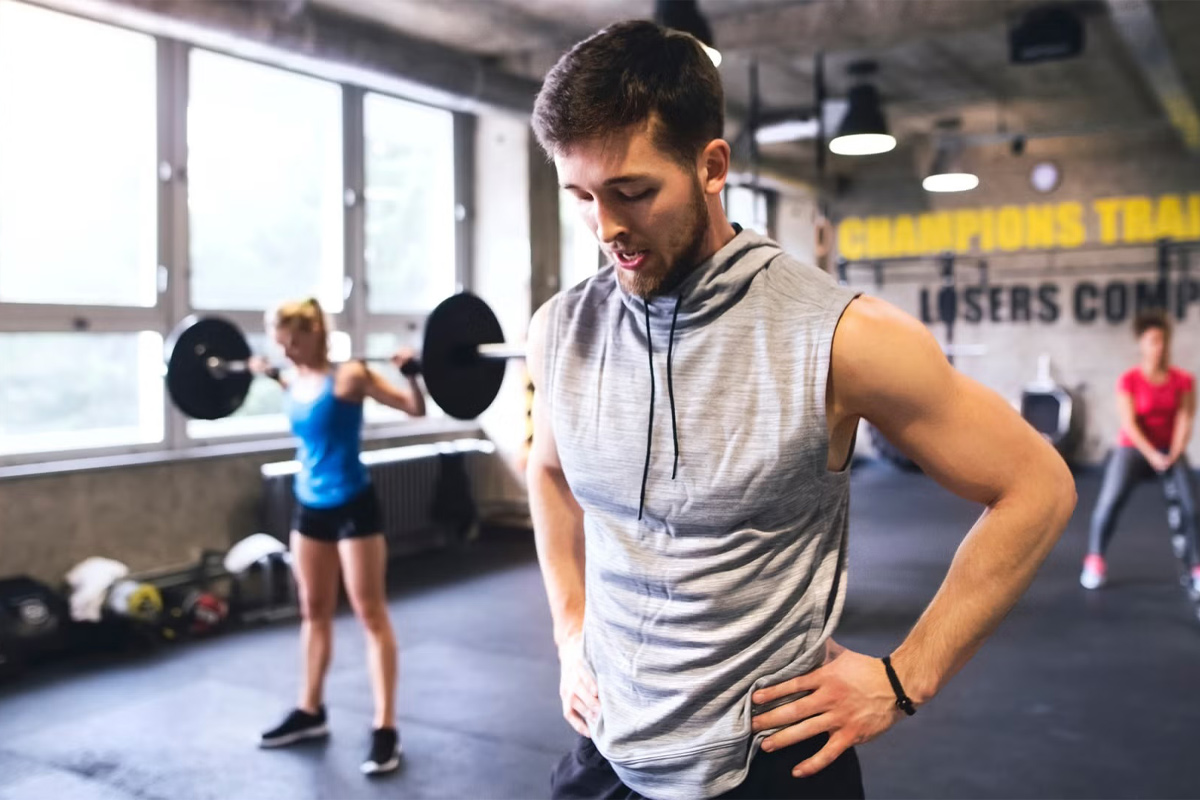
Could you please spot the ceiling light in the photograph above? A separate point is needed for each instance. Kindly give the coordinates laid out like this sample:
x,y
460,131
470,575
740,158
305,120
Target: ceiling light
x,y
947,173
950,182
864,130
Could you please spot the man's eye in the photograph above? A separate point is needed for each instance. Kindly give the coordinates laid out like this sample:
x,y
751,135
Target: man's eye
x,y
638,196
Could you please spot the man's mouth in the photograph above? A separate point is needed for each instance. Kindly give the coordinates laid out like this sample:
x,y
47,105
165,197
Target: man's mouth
x,y
631,260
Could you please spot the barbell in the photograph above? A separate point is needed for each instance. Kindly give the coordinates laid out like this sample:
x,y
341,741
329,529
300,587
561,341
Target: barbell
x,y
463,357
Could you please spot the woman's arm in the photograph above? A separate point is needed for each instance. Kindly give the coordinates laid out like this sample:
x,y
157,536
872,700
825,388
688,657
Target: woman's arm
x,y
1130,426
409,399
1184,418
260,366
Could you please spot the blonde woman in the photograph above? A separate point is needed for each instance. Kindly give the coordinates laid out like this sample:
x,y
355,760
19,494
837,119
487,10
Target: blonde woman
x,y
336,529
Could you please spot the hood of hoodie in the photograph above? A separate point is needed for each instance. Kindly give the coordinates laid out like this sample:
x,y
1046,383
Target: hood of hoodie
x,y
713,287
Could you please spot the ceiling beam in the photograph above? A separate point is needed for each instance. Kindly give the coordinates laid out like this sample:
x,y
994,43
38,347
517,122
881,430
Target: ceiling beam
x,y
307,38
1139,28
855,24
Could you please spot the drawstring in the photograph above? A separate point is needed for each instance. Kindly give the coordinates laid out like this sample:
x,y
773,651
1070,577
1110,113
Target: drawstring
x,y
671,386
670,392
650,421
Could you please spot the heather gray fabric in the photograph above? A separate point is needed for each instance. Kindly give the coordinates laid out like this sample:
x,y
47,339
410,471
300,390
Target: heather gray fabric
x,y
734,577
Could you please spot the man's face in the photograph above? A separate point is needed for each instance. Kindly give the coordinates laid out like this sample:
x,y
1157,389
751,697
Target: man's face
x,y
648,212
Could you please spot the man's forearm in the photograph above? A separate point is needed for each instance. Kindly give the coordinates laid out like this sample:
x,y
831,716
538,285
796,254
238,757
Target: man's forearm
x,y
558,532
992,568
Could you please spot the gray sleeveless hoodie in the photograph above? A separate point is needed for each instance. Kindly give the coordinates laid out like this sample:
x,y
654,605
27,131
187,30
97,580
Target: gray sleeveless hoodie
x,y
692,431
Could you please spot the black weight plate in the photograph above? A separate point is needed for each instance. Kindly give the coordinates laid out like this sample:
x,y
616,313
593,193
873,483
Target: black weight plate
x,y
459,381
193,388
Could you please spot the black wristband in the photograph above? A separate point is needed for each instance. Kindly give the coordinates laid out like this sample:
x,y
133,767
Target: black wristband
x,y
903,702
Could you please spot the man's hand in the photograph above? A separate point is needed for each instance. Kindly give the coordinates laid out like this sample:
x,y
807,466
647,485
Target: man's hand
x,y
850,698
577,687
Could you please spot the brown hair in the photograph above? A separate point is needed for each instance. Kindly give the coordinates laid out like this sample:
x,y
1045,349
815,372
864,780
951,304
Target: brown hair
x,y
305,316
631,73
1149,320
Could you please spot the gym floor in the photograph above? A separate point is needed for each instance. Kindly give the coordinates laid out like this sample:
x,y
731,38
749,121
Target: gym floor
x,y
1078,695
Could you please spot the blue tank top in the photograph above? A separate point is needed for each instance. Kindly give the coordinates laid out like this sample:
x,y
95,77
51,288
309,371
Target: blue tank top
x,y
330,433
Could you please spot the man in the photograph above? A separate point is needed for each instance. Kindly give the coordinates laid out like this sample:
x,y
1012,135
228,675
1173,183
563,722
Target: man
x,y
695,588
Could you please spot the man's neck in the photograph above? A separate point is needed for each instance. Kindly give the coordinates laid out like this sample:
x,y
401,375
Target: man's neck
x,y
720,233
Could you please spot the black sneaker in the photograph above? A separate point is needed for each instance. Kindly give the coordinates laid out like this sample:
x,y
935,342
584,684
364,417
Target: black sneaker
x,y
298,726
385,752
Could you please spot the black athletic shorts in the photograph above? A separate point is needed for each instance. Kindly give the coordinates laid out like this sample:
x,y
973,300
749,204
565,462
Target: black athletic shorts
x,y
359,516
584,773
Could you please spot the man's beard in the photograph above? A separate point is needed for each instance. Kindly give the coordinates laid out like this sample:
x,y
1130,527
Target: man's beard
x,y
660,278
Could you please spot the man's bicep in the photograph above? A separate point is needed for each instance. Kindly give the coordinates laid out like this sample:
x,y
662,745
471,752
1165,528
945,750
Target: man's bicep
x,y
966,437
963,435
543,451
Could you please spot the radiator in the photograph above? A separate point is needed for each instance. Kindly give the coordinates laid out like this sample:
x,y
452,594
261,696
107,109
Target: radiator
x,y
427,492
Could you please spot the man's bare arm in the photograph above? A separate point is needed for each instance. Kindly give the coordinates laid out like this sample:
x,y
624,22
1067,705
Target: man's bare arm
x,y
558,532
557,517
888,369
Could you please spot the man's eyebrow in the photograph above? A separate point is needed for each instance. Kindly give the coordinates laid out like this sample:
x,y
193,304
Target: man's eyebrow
x,y
617,181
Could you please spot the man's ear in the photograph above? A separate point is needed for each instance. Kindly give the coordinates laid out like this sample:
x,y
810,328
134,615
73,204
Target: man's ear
x,y
713,166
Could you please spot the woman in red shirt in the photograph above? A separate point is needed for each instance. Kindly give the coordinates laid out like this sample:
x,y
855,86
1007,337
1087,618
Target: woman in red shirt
x,y
1157,403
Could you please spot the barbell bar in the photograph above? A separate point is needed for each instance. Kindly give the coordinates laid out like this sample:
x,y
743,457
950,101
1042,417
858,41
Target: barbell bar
x,y
501,352
463,358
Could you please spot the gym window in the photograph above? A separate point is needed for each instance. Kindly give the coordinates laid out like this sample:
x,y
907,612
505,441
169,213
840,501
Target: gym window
x,y
409,194
264,174
78,194
67,391
143,180
80,338
409,240
751,208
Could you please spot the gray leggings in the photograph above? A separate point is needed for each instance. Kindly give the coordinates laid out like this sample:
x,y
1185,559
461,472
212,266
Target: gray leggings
x,y
1126,468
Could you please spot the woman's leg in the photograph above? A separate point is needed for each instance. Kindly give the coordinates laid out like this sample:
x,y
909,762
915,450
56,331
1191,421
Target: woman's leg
x,y
1125,469
1181,479
315,563
364,566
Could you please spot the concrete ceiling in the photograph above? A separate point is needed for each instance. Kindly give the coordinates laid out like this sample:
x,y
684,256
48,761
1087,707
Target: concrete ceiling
x,y
937,58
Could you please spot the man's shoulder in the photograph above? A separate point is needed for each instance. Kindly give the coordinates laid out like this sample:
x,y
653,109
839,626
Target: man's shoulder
x,y
589,292
794,279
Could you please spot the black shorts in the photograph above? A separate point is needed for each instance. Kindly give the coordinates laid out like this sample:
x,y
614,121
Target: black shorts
x,y
359,516
584,773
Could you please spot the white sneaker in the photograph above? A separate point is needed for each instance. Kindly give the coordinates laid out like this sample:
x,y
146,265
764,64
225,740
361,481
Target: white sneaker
x,y
385,752
1179,545
1094,573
